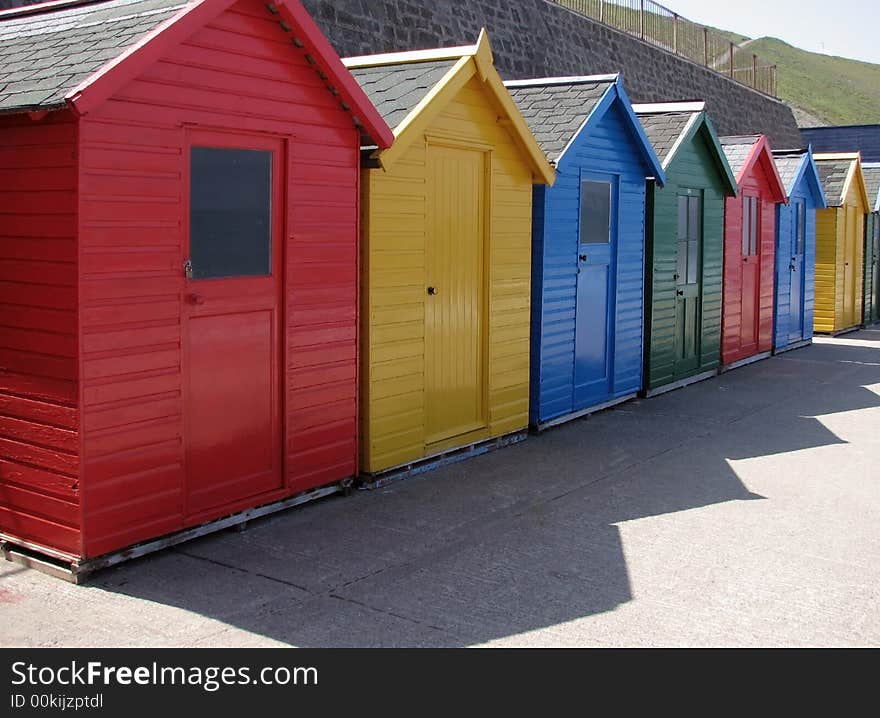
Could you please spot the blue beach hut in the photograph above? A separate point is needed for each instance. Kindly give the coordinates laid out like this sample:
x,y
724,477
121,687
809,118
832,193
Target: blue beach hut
x,y
796,249
588,288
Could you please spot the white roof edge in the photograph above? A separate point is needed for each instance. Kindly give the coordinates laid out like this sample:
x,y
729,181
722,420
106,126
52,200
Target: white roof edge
x,y
678,140
652,107
870,165
574,80
398,58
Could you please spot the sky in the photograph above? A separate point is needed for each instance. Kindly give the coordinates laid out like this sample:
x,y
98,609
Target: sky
x,y
851,29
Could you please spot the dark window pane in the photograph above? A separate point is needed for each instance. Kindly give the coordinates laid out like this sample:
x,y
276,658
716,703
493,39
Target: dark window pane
x,y
753,228
693,270
747,223
802,227
681,266
695,217
230,212
595,212
682,217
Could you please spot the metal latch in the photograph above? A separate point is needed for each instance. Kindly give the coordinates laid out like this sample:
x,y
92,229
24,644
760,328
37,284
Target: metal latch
x,y
188,268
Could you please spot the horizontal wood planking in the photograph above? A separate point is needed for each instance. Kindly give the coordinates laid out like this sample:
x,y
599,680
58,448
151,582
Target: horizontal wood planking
x,y
395,227
757,183
693,168
608,147
39,417
241,73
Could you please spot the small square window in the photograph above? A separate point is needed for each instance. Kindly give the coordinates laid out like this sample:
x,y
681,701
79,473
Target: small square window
x,y
230,212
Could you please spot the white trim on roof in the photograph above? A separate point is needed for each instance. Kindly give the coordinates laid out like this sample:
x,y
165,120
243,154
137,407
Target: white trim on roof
x,y
574,80
678,140
399,58
654,107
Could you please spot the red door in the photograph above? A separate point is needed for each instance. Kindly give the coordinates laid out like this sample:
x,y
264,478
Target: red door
x,y
751,275
232,319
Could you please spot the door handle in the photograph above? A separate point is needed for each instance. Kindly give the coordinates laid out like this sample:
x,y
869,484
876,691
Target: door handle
x,y
432,291
679,292
582,257
195,299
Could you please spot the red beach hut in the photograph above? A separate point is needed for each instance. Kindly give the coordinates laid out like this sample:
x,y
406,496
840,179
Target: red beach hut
x,y
179,189
749,251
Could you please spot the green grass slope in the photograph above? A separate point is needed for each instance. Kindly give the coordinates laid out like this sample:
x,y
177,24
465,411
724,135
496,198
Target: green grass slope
x,y
834,89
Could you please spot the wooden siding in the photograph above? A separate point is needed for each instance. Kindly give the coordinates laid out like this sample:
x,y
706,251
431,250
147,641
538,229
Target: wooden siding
x,y
39,421
757,183
608,146
871,300
694,167
785,217
834,232
239,73
396,223
829,263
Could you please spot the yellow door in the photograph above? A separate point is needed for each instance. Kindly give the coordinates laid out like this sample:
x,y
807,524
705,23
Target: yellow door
x,y
454,305
850,269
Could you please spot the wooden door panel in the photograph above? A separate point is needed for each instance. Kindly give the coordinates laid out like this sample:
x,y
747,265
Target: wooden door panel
x,y
454,315
232,319
596,290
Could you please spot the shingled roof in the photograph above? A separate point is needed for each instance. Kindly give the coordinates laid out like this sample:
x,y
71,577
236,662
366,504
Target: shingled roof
x,y
395,90
45,55
737,149
787,164
833,174
557,108
77,53
871,172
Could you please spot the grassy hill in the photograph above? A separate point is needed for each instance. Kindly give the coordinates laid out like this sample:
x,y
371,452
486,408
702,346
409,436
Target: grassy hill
x,y
833,89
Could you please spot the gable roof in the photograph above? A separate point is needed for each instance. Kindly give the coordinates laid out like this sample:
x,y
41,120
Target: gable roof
x,y
412,88
744,152
558,109
77,53
871,172
793,167
838,172
671,125
396,89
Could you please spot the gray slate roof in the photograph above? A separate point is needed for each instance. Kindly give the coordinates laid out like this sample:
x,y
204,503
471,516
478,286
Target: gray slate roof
x,y
555,112
872,182
664,128
833,174
396,89
788,164
737,149
45,55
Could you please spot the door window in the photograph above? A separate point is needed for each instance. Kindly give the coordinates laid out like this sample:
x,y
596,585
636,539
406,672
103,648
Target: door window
x,y
230,212
690,229
801,227
595,214
751,220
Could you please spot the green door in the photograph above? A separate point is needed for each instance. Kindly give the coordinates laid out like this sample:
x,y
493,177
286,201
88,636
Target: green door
x,y
688,278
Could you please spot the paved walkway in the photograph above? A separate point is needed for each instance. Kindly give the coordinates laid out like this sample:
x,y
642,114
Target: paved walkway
x,y
744,510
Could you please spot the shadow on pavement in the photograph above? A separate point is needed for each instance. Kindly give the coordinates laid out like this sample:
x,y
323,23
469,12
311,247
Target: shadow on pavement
x,y
517,540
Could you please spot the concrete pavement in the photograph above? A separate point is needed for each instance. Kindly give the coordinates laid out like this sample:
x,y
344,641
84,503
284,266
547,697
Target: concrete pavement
x,y
741,511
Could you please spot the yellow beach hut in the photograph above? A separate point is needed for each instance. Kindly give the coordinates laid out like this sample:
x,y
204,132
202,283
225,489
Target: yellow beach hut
x,y
840,243
447,223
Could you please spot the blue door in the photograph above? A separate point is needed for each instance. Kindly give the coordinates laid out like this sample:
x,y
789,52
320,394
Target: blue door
x,y
796,269
596,290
